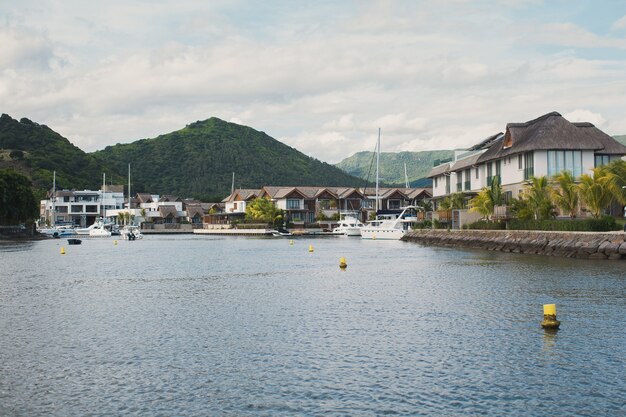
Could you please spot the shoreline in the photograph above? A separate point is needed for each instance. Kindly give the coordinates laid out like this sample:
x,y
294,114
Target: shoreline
x,y
581,245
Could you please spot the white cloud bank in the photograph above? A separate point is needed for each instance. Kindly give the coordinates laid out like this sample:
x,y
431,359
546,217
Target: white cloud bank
x,y
321,79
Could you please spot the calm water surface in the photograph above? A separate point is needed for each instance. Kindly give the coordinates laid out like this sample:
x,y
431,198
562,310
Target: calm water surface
x,y
240,326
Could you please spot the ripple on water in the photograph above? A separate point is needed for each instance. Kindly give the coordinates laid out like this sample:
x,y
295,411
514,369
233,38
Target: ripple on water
x,y
197,326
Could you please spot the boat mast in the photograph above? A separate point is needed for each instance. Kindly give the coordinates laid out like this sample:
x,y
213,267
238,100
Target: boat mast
x,y
232,187
129,188
104,187
54,197
406,177
377,166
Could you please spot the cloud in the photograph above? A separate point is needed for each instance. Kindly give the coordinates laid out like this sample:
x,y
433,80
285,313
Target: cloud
x,y
581,115
619,24
323,79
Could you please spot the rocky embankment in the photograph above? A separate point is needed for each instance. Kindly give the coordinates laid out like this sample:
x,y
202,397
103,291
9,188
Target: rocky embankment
x,y
583,245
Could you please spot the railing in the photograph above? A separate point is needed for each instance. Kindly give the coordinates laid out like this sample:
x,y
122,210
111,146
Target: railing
x,y
467,185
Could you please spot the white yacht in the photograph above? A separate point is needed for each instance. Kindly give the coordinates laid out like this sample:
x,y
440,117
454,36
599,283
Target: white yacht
x,y
348,226
99,231
131,232
390,226
86,230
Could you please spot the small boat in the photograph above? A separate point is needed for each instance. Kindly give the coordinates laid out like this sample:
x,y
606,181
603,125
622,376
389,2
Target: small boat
x,y
281,232
131,233
390,226
348,226
74,241
99,231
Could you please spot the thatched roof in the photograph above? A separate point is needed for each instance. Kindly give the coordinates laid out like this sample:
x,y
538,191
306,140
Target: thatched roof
x,y
144,198
548,132
439,170
466,162
414,193
167,211
242,195
169,198
193,210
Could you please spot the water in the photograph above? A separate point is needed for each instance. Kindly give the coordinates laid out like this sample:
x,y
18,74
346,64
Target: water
x,y
194,325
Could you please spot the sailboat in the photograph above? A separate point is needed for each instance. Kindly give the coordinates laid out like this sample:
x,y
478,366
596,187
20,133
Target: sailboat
x,y
388,226
100,230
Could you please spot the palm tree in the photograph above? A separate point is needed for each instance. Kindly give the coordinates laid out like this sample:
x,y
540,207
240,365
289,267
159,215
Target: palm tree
x,y
565,196
615,180
537,197
488,198
483,203
594,192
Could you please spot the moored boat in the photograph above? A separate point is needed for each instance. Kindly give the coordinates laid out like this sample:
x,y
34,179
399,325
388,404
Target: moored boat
x,y
390,226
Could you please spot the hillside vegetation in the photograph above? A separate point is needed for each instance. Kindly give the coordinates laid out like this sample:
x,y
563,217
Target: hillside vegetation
x,y
199,160
418,165
37,151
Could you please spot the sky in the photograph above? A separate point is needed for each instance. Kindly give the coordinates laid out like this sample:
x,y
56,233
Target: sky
x,y
320,76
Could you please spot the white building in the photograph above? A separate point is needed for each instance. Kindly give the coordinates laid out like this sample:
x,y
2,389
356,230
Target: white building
x,y
541,147
81,208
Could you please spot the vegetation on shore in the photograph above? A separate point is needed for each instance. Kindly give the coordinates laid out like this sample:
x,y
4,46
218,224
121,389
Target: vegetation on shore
x,y
17,201
543,199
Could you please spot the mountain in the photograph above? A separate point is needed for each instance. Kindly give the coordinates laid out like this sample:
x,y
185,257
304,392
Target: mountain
x,y
37,151
621,139
418,165
199,160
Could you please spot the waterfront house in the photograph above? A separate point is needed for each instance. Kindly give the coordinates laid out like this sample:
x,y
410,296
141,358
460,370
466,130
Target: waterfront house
x,y
543,146
81,207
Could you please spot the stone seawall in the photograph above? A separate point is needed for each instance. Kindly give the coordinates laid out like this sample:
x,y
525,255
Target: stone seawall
x,y
585,245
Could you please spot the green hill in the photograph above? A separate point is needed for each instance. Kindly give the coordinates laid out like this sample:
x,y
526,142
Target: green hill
x,y
37,151
199,160
418,164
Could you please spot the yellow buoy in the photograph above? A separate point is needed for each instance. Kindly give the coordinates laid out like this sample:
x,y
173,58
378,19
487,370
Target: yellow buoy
x,y
549,317
291,242
310,248
62,250
115,242
342,263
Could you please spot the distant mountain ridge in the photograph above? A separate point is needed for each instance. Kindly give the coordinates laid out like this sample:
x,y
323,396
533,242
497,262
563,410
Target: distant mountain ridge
x,y
197,161
418,165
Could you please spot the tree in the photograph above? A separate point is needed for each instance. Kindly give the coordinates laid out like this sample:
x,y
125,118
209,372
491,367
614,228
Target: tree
x,y
17,201
537,196
615,180
488,198
265,210
565,194
594,192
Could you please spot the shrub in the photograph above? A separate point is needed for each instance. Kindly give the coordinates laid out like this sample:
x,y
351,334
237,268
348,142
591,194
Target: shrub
x,y
602,224
426,224
485,225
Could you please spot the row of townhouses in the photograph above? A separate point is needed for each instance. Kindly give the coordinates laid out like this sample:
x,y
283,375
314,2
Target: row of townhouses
x,y
544,146
303,206
306,205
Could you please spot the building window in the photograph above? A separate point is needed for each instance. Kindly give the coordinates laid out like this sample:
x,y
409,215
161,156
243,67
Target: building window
x,y
489,173
498,168
601,160
476,172
393,204
468,179
435,182
459,181
529,165
368,203
447,184
293,204
519,161
327,204
559,161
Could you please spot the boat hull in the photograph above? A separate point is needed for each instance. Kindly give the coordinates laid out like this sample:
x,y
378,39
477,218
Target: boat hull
x,y
382,234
